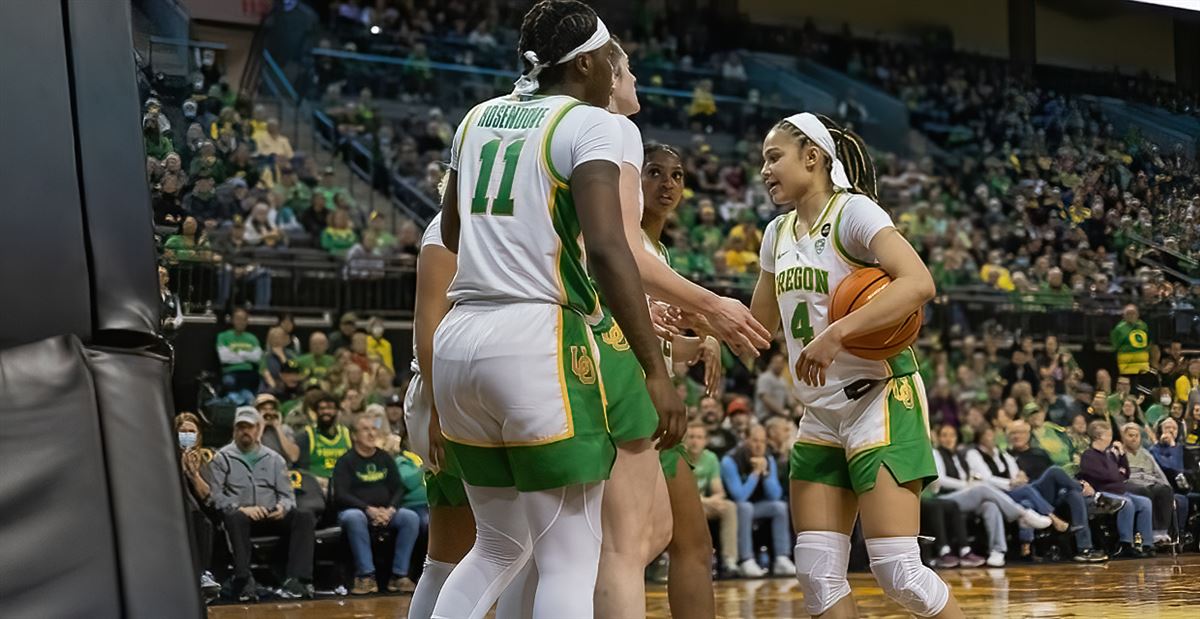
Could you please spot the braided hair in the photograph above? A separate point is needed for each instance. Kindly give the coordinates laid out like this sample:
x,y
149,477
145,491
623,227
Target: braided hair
x,y
658,147
851,151
551,29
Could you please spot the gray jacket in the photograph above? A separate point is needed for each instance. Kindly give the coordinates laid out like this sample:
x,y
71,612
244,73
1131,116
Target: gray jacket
x,y
238,483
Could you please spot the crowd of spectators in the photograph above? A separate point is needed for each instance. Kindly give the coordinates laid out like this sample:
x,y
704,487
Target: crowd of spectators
x,y
318,437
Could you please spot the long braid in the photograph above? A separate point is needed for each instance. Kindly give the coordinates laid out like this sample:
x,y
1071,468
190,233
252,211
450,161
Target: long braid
x,y
852,152
551,29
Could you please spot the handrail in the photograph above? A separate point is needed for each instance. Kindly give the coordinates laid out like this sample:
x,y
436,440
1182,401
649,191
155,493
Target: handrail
x,y
187,43
279,75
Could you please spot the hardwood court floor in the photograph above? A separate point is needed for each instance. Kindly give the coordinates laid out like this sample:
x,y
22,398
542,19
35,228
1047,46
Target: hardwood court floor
x,y
1161,587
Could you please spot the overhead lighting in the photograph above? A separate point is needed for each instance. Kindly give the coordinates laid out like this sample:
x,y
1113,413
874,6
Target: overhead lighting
x,y
375,30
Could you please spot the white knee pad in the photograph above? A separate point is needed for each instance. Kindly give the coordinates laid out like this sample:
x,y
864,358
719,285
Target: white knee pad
x,y
822,558
896,564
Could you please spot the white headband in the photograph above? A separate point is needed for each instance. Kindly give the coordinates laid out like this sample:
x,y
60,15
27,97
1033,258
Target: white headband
x,y
812,127
527,84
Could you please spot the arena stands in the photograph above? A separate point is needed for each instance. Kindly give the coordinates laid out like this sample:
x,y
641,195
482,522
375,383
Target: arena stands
x,y
1063,248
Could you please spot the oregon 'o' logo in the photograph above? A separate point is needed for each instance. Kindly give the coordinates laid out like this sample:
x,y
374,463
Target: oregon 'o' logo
x,y
1138,338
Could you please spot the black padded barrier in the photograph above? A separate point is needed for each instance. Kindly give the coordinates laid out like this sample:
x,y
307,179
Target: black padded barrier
x,y
112,166
57,557
147,494
43,258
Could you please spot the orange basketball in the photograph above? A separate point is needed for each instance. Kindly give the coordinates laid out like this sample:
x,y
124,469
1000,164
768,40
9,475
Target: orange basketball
x,y
855,291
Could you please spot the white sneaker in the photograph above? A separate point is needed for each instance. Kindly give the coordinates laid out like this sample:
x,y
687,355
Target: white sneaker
x,y
995,559
750,569
783,567
1035,520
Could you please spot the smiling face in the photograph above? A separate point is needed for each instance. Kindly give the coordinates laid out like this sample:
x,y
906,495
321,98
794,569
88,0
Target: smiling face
x,y
662,181
790,169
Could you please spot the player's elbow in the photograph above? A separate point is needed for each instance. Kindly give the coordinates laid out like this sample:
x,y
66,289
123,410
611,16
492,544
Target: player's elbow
x,y
924,288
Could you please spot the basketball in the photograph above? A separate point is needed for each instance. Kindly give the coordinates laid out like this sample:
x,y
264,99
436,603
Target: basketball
x,y
855,291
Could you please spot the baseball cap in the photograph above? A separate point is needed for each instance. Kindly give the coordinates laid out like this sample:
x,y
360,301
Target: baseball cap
x,y
263,398
247,414
348,317
291,367
394,400
1030,408
738,405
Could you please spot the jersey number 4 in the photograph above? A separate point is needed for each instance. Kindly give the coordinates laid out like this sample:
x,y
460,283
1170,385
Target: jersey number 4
x,y
502,204
801,327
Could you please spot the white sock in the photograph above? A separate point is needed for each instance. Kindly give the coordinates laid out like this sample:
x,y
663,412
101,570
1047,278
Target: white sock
x,y
428,588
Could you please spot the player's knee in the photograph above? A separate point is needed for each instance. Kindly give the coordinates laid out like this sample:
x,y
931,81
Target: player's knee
x,y
896,564
821,560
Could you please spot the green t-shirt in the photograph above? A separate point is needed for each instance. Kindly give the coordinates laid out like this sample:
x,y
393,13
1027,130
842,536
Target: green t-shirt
x,y
1061,298
1053,439
241,344
186,252
1132,345
338,240
298,197
413,480
315,367
706,468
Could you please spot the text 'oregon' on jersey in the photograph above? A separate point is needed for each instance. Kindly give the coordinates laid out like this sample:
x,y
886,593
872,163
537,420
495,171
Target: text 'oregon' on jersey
x,y
520,238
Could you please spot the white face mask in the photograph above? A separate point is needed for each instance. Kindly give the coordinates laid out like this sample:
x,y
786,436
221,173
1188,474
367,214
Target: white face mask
x,y
187,440
1166,400
377,331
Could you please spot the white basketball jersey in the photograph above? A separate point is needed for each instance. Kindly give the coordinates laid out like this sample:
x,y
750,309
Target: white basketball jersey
x,y
808,267
520,239
664,257
432,236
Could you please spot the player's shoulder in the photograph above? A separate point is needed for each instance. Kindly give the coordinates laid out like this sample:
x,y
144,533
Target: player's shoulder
x,y
860,201
433,232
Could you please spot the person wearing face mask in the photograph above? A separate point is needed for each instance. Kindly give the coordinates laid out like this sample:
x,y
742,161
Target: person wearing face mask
x,y
377,344
1161,407
195,459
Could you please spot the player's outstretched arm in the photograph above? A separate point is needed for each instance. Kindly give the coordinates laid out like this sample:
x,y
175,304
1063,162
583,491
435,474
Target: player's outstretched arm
x,y
730,320
594,185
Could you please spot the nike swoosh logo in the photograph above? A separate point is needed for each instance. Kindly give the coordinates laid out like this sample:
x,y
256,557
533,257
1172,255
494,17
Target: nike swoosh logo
x,y
780,255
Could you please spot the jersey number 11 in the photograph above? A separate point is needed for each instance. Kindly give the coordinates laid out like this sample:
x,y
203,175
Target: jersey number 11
x,y
502,204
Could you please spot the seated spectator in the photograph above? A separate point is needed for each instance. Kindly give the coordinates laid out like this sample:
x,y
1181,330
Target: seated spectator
x,y
773,390
973,496
1146,478
317,361
252,491
157,144
190,245
287,322
377,344
166,201
295,195
338,237
717,506
1188,383
321,446
1078,435
942,520
240,354
996,467
358,216
347,327
382,386
1049,437
720,438
781,435
738,417
362,261
195,458
261,228
206,164
1106,468
328,186
735,258
272,142
289,389
277,355
752,481
1161,405
412,477
276,436
367,489
359,356
239,268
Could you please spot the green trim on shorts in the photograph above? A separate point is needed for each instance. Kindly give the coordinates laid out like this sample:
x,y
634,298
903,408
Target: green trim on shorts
x,y
444,489
903,363
631,412
908,455
586,456
669,459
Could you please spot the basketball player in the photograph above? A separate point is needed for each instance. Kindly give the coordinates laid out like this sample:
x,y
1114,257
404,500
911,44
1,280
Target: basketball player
x,y
519,397
863,445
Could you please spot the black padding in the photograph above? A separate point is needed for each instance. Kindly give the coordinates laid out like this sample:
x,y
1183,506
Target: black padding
x,y
57,557
116,199
151,527
43,264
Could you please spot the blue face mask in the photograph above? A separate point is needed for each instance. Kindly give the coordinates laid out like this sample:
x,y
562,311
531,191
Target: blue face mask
x,y
187,440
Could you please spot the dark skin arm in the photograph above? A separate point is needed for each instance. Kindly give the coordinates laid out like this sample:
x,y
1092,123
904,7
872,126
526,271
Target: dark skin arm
x,y
594,185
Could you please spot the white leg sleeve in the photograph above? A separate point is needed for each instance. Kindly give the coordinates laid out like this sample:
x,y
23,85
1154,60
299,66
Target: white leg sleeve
x,y
517,600
428,588
896,564
566,525
822,558
503,544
